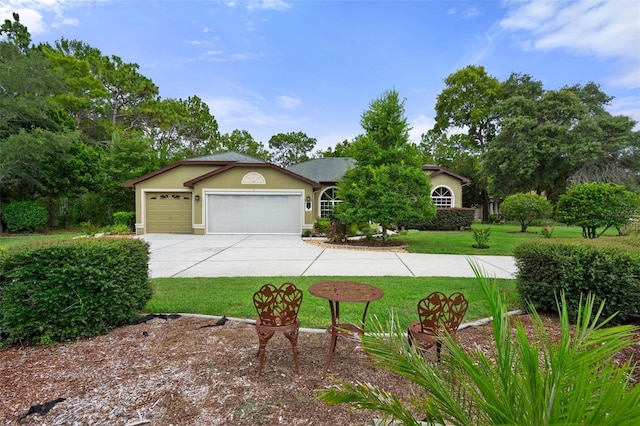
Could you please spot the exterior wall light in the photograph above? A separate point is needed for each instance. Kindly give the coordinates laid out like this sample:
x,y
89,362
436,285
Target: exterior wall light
x,y
197,198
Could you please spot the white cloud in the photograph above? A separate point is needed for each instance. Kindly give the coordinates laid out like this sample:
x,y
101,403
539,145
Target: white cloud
x,y
248,111
268,4
602,28
629,106
39,15
421,124
31,18
287,102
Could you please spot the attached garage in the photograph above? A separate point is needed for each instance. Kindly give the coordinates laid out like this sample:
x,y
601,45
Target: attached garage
x,y
169,212
254,213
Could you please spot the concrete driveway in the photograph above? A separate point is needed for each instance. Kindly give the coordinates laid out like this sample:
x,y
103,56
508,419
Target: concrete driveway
x,y
179,255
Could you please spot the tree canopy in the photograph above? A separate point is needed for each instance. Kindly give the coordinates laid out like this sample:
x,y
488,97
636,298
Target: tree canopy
x,y
388,185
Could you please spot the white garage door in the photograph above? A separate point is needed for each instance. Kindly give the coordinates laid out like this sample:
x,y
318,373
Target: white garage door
x,y
254,214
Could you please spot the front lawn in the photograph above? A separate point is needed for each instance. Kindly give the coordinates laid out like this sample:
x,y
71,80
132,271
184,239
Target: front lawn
x,y
503,239
233,297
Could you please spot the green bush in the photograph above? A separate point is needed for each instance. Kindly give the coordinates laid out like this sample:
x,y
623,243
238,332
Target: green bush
x,y
610,269
453,219
68,289
25,216
125,218
119,229
526,209
323,225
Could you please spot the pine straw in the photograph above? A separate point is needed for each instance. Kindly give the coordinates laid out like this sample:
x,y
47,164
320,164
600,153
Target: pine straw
x,y
166,372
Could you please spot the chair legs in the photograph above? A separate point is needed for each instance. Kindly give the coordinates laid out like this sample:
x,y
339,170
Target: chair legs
x,y
264,337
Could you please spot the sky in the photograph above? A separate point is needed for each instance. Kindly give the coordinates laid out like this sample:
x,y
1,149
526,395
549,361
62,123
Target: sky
x,y
314,66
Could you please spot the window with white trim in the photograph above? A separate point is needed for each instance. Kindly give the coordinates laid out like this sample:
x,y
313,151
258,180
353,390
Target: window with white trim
x,y
442,197
328,201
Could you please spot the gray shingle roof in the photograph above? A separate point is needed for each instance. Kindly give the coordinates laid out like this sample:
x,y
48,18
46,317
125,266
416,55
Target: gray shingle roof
x,y
329,169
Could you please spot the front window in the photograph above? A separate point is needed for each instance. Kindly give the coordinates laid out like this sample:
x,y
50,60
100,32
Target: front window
x,y
328,201
442,197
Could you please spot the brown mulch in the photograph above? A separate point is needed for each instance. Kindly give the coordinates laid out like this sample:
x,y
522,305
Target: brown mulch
x,y
173,371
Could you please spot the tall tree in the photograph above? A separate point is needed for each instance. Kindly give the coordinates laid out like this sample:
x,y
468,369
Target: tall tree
x,y
84,96
241,141
128,90
291,148
468,103
546,137
180,128
388,185
16,33
26,86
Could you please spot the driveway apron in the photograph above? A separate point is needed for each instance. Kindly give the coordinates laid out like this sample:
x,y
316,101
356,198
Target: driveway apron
x,y
180,255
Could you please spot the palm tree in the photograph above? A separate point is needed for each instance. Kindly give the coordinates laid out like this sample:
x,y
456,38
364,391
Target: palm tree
x,y
568,380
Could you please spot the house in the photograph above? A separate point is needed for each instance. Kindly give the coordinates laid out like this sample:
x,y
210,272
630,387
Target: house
x,y
231,193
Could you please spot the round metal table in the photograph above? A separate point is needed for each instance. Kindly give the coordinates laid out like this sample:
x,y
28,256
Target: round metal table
x,y
344,291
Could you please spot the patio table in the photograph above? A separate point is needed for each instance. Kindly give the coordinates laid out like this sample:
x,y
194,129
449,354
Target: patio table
x,y
344,291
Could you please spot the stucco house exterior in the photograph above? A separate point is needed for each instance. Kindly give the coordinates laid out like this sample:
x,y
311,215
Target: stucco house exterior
x,y
231,193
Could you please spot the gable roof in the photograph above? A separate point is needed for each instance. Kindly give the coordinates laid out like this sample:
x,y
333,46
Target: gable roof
x,y
263,164
225,161
437,170
328,169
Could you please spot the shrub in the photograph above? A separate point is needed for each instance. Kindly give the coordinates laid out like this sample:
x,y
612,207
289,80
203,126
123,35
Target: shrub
x,y
323,225
119,229
610,270
453,219
526,209
125,218
25,216
68,289
597,204
481,236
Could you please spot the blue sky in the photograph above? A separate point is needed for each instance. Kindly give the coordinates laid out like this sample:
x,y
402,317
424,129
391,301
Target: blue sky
x,y
276,66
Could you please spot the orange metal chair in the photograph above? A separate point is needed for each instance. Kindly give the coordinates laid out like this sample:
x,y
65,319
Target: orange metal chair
x,y
277,311
437,313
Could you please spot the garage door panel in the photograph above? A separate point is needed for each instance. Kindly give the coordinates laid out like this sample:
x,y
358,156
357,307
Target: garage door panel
x,y
254,214
168,213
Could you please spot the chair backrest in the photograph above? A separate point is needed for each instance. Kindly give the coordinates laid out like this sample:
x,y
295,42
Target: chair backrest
x,y
438,312
278,306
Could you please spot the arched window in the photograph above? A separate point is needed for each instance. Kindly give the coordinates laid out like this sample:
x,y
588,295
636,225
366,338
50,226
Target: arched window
x,y
328,201
442,197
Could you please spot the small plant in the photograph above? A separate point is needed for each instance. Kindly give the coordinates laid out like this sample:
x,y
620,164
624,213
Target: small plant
x,y
307,233
119,229
546,232
90,228
481,235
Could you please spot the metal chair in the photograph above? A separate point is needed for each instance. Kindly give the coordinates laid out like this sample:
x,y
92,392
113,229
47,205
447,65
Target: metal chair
x,y
277,311
437,313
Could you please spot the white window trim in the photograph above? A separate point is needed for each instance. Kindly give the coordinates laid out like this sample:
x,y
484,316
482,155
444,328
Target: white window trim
x,y
453,200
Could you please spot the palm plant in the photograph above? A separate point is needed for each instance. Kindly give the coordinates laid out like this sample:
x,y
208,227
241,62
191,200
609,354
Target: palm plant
x,y
569,380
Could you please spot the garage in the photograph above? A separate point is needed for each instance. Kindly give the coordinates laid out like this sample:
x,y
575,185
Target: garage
x,y
169,212
254,213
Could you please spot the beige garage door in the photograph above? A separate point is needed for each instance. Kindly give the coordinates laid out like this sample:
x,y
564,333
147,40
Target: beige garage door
x,y
168,212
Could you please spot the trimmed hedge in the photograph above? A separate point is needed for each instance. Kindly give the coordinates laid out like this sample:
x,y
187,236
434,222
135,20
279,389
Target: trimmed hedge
x,y
453,219
609,268
25,216
68,289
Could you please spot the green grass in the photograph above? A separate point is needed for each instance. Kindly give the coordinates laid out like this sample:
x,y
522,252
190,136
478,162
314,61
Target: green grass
x,y
504,238
7,240
233,297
